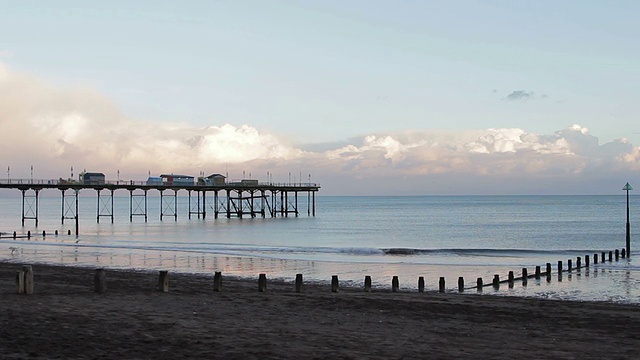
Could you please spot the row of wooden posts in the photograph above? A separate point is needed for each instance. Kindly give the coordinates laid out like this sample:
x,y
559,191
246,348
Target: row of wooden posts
x,y
29,235
24,277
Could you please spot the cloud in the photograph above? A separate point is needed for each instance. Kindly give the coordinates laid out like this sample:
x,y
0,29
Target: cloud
x,y
520,95
55,128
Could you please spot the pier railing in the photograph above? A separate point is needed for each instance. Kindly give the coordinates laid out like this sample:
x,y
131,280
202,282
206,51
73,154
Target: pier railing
x,y
54,182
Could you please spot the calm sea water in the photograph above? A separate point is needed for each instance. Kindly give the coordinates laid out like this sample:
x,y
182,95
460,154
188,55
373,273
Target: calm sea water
x,y
430,236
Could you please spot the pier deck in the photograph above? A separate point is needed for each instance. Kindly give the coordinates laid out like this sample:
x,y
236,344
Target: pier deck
x,y
233,199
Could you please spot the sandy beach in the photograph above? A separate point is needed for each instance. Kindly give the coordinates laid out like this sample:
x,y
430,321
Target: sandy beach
x,y
65,318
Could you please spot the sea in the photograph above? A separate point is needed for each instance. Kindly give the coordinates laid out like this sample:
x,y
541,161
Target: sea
x,y
409,237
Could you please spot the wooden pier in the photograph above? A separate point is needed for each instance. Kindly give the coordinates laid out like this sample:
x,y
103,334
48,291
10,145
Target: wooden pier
x,y
234,199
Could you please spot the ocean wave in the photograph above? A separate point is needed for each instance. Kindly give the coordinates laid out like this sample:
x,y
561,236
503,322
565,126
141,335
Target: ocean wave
x,y
478,252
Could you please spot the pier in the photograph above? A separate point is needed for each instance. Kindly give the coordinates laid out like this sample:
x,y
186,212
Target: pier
x,y
232,200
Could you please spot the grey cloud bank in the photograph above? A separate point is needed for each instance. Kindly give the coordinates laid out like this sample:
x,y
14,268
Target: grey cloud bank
x,y
54,129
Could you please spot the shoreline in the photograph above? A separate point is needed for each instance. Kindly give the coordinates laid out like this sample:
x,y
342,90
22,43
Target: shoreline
x,y
132,319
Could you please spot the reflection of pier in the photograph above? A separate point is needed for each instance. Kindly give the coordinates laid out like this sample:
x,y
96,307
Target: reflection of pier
x,y
230,200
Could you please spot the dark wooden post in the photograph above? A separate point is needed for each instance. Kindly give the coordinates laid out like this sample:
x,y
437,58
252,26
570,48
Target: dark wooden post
x,y
262,282
395,284
28,279
20,281
524,276
460,284
163,281
578,262
595,258
611,255
479,284
421,284
559,267
217,281
298,283
617,254
100,281
569,265
334,283
496,281
537,273
510,279
586,261
367,283
623,254
441,284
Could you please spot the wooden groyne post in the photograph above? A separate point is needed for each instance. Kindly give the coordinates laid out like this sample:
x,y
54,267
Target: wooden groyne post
x,y
163,281
421,284
367,283
479,284
298,283
262,282
395,284
100,281
217,281
334,283
460,284
496,281
441,284
24,280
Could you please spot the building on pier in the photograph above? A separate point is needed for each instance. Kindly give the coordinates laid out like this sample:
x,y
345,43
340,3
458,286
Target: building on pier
x,y
92,178
176,180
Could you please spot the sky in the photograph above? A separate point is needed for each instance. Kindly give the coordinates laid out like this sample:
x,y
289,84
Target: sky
x,y
362,97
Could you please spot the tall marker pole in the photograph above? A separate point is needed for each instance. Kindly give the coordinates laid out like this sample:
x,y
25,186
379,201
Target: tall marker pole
x,y
628,187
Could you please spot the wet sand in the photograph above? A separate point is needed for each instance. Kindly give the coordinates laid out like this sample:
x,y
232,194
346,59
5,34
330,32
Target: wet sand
x,y
65,318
